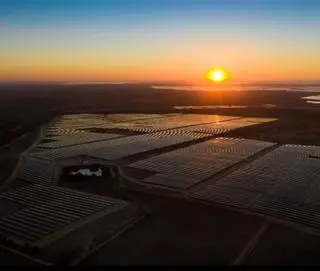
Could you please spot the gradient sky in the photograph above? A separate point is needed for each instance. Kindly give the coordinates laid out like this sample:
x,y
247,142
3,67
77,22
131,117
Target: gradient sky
x,y
103,40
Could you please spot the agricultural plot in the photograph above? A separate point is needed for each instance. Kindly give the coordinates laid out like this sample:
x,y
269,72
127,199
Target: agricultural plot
x,y
75,139
51,210
144,123
134,117
285,183
62,131
182,120
65,129
66,138
169,122
185,167
226,125
122,147
72,124
36,171
260,120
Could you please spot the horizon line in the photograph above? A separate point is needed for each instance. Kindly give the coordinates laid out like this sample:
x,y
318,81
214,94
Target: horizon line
x,y
94,82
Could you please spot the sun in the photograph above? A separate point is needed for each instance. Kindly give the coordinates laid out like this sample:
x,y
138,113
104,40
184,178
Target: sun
x,y
217,75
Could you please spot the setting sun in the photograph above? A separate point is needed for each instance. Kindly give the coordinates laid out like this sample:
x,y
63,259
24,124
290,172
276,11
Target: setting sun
x,y
217,75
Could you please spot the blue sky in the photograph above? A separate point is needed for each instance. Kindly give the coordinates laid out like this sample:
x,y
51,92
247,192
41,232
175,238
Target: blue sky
x,y
47,11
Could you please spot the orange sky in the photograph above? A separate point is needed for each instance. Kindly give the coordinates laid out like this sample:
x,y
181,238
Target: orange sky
x,y
188,63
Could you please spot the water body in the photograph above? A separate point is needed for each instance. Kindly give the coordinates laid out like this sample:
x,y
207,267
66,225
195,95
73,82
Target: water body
x,y
312,99
209,106
199,107
288,88
87,172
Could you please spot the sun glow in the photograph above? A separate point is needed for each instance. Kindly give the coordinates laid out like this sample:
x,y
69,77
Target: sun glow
x,y
217,75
